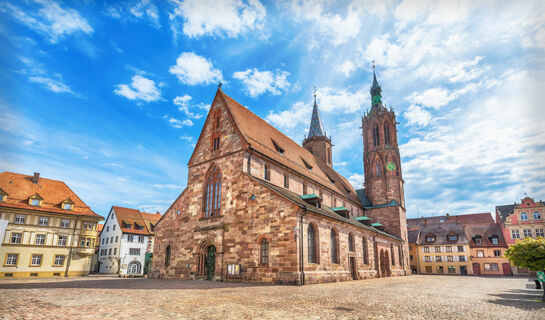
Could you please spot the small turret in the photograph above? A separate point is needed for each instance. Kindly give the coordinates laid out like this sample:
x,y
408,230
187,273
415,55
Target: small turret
x,y
317,141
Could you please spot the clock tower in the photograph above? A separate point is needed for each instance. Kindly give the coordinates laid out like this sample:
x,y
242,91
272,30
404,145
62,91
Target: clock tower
x,y
382,166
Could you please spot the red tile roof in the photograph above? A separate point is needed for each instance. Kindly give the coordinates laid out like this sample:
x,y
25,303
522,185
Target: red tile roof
x,y
19,188
128,216
463,219
260,135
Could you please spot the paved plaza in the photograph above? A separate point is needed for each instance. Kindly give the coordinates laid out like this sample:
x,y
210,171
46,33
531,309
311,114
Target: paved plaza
x,y
414,297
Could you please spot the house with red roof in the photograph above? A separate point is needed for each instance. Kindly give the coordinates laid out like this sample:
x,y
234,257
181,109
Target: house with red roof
x,y
126,241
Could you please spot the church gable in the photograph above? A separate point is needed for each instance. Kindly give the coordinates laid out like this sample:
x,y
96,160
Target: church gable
x,y
219,135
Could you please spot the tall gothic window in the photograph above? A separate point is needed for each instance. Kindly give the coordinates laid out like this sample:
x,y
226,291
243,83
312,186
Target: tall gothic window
x,y
378,169
212,196
334,247
350,242
264,251
386,134
364,246
311,234
376,137
167,256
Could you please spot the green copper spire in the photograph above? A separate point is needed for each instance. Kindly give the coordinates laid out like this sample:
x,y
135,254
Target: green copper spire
x,y
375,90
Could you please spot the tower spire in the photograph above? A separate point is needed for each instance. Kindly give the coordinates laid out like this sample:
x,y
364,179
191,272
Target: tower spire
x,y
316,129
376,90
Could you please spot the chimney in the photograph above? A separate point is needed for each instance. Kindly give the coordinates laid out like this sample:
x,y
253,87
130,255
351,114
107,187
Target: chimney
x,y
36,177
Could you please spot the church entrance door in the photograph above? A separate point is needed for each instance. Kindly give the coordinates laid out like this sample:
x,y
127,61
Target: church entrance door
x,y
210,262
353,268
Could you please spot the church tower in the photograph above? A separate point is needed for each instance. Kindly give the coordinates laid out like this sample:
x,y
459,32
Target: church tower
x,y
317,142
382,166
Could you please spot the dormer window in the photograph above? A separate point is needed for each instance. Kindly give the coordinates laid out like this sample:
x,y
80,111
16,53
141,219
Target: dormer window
x,y
277,147
430,238
478,240
309,167
494,240
138,227
3,195
35,200
330,179
67,204
452,237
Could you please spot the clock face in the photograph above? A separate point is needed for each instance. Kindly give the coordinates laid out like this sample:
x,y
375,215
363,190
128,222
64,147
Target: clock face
x,y
390,166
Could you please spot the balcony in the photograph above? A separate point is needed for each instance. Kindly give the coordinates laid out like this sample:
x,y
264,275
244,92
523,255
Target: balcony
x,y
84,251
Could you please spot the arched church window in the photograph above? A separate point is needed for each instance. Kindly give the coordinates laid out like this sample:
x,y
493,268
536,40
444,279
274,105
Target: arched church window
x,y
264,251
364,251
378,169
311,234
212,195
387,134
167,256
376,140
334,239
350,242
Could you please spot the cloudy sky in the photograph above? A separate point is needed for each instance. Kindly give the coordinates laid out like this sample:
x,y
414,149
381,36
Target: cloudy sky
x,y
111,98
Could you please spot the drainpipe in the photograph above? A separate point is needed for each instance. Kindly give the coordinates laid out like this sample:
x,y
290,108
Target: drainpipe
x,y
301,257
70,250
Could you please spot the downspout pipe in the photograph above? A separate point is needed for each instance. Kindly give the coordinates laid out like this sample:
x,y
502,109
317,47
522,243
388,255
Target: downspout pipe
x,y
375,249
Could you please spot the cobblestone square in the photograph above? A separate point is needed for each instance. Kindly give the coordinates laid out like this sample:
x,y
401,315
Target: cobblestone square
x,y
414,297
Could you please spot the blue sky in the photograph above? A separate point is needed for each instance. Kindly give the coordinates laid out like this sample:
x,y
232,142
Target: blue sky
x,y
110,97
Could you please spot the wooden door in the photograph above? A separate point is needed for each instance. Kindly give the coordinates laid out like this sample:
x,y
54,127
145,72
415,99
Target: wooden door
x,y
506,269
476,269
353,268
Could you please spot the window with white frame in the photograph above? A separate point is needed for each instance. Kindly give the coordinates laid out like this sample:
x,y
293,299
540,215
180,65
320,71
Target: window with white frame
x,y
67,206
35,202
65,223
478,240
43,221
16,237
11,259
461,249
113,227
20,219
539,232
448,248
494,240
61,241
84,225
59,260
515,234
527,233
134,251
36,260
450,258
438,259
116,239
426,249
480,253
438,249
82,242
40,239
427,258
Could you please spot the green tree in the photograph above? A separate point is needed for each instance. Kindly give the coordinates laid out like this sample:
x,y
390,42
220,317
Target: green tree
x,y
528,253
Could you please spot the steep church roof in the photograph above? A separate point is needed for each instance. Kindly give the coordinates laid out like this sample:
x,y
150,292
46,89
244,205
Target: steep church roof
x,y
316,129
262,137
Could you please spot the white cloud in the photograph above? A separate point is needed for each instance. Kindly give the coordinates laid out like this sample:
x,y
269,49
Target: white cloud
x,y
347,67
231,18
141,10
259,82
54,85
434,97
166,186
177,123
51,20
356,180
416,115
189,139
141,88
193,69
287,119
184,105
329,26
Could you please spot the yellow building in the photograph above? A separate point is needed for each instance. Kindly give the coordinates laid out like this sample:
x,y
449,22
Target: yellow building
x,y
487,247
439,248
50,231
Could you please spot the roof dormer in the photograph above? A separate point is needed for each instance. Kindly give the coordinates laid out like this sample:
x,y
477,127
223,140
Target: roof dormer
x,y
35,200
3,195
67,204
430,238
452,237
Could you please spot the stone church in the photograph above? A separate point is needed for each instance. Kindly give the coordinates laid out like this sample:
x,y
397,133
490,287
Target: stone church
x,y
260,207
